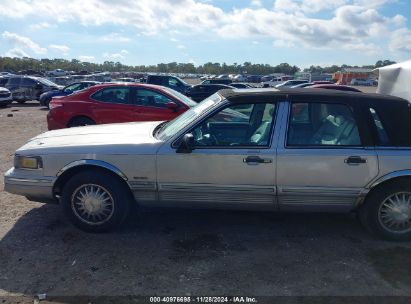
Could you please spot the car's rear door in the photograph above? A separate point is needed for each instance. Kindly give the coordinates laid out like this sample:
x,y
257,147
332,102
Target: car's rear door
x,y
324,157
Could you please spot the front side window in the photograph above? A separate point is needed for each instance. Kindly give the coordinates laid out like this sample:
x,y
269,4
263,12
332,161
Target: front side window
x,y
172,127
241,125
150,98
322,124
113,95
172,82
73,87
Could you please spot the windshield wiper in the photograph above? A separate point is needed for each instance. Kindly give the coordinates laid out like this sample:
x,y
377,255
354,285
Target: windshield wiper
x,y
159,128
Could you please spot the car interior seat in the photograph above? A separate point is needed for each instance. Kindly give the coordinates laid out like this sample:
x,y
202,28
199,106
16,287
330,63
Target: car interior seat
x,y
337,128
261,136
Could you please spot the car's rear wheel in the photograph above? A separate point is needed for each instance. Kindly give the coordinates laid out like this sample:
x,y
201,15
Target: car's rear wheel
x,y
95,201
81,121
387,211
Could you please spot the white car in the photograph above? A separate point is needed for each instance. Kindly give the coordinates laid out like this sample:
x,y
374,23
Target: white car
x,y
57,73
276,150
5,97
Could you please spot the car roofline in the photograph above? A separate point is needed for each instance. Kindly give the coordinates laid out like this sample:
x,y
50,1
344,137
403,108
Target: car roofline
x,y
234,93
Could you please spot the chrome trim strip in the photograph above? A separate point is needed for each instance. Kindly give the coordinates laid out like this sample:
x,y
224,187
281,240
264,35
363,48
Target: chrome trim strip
x,y
319,191
28,180
212,188
93,162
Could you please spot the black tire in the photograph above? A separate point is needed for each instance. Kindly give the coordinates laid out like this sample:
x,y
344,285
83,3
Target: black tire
x,y
119,198
371,214
81,121
47,103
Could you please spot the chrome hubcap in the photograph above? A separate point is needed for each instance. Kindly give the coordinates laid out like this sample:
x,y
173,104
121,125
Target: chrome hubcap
x,y
395,212
92,204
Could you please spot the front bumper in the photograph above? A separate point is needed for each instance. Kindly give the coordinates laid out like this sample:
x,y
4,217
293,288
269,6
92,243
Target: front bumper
x,y
35,188
5,99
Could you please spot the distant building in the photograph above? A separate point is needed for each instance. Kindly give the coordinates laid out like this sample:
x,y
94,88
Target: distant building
x,y
313,76
347,74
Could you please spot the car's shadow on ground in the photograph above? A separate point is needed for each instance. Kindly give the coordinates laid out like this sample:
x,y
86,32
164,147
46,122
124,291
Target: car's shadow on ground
x,y
25,105
178,252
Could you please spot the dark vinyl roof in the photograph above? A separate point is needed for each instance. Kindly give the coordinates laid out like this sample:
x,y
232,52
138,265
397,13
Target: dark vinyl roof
x,y
232,93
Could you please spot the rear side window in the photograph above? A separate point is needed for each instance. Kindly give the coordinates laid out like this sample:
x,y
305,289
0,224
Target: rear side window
x,y
27,81
383,139
3,81
113,95
322,124
14,81
155,80
395,118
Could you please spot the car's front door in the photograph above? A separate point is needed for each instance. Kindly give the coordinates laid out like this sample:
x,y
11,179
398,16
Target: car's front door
x,y
151,105
323,162
233,161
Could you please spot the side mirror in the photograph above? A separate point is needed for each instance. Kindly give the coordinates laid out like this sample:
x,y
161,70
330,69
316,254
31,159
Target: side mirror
x,y
172,106
38,86
186,144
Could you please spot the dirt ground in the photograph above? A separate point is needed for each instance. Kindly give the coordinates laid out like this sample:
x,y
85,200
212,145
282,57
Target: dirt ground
x,y
183,252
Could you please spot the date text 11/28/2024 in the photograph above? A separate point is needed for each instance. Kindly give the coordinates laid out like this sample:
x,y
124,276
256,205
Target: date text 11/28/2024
x,y
191,299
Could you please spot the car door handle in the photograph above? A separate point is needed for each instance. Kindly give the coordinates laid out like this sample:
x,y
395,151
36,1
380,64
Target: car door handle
x,y
257,160
355,160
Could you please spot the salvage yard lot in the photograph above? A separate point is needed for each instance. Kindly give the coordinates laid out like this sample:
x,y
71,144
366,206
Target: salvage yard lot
x,y
186,252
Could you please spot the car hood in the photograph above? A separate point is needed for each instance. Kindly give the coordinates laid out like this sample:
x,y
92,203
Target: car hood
x,y
120,138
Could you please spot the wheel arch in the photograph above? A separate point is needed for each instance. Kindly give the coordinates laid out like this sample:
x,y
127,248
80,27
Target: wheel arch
x,y
77,117
388,179
86,164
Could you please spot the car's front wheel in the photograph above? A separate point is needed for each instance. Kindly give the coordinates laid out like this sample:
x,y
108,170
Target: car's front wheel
x,y
95,201
387,211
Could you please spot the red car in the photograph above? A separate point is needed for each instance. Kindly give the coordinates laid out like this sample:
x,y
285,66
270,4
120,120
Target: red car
x,y
116,102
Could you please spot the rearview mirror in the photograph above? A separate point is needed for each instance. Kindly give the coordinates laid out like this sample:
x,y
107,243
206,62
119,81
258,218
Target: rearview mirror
x,y
172,106
186,144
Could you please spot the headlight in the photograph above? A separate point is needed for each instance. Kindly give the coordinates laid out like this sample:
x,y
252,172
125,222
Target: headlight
x,y
28,162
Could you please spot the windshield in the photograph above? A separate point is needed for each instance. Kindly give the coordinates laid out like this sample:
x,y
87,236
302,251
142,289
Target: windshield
x,y
46,82
180,96
172,127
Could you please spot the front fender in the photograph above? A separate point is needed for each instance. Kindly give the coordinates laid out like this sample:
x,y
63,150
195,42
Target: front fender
x,y
92,162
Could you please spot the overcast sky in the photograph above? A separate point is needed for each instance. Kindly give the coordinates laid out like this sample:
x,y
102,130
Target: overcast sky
x,y
301,32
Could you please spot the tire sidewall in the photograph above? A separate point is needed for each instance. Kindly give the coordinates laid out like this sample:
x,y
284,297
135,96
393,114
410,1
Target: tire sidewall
x,y
371,210
111,183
